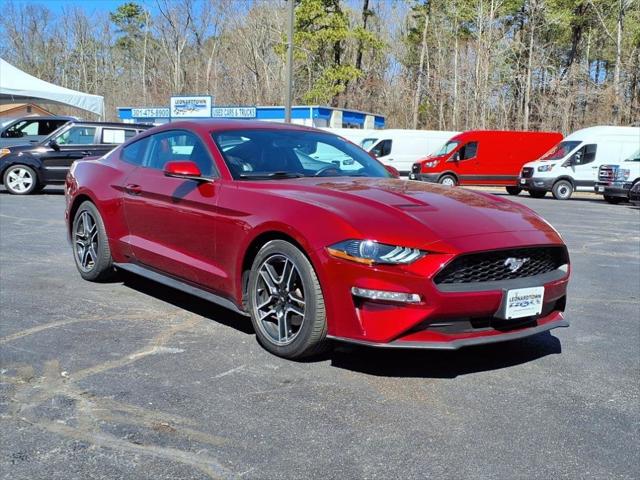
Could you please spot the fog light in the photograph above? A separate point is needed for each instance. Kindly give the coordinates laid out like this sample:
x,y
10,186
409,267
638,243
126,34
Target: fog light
x,y
386,296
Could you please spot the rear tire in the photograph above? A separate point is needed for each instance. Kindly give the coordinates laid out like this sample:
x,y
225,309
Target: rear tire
x,y
91,250
537,193
21,180
286,302
513,190
562,190
448,180
613,200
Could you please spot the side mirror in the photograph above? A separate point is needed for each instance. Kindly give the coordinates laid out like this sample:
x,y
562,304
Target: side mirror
x,y
181,169
393,171
456,157
53,144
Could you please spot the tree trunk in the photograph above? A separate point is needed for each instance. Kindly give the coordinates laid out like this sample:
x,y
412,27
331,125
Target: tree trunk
x,y
527,91
423,52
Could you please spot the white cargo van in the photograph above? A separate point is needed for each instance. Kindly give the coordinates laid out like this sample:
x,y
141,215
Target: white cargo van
x,y
573,164
354,135
402,148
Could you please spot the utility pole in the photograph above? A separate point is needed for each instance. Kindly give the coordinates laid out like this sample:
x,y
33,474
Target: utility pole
x,y
289,80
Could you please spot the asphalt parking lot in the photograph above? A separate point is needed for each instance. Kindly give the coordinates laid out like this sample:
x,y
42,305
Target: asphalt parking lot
x,y
134,380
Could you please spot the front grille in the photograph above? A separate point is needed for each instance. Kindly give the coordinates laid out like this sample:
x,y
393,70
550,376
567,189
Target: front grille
x,y
527,172
498,265
606,173
415,168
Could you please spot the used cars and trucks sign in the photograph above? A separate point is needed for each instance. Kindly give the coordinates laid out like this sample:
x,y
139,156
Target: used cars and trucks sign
x,y
190,106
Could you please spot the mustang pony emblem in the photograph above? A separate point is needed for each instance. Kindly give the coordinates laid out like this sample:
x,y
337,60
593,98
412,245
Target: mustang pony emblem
x,y
514,264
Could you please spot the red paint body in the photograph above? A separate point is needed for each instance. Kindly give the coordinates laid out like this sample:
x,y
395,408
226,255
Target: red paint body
x,y
201,232
498,158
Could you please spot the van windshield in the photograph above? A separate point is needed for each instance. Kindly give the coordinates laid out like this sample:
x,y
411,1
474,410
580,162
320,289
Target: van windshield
x,y
635,157
560,150
447,148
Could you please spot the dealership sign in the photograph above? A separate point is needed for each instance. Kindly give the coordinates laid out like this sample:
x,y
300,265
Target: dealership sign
x,y
234,112
150,112
191,106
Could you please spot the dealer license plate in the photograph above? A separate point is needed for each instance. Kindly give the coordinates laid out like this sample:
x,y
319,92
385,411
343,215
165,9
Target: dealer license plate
x,y
523,181
523,302
412,176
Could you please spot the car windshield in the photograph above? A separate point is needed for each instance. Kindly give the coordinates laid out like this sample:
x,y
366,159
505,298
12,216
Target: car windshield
x,y
273,154
560,151
447,148
635,157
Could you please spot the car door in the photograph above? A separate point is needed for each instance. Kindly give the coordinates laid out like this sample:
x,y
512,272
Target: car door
x,y
584,170
465,163
71,144
172,221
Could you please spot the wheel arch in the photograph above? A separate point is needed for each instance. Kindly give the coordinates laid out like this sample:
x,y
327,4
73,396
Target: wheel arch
x,y
25,159
567,178
78,200
450,174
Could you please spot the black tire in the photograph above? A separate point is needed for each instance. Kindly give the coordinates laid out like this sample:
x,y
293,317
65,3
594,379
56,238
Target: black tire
x,y
537,193
562,190
310,337
16,187
100,267
513,190
448,180
613,200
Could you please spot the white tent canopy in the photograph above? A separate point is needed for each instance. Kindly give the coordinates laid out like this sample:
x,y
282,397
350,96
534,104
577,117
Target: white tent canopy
x,y
16,85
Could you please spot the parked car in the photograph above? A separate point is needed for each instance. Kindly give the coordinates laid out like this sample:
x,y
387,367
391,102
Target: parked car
x,y
401,148
634,194
484,157
573,164
615,181
26,169
314,252
27,130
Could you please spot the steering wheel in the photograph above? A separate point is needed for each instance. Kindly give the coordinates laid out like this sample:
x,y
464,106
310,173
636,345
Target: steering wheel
x,y
326,169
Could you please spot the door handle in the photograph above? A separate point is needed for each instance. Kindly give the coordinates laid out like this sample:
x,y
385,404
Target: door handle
x,y
133,189
85,153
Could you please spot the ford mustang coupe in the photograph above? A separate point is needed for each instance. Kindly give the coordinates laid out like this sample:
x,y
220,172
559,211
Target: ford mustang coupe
x,y
314,239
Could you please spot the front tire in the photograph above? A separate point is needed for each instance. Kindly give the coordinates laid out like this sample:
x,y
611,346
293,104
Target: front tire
x,y
513,190
90,244
286,302
562,190
21,180
537,193
448,180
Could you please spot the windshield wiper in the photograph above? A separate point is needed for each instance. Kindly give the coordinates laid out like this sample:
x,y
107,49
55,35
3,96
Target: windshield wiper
x,y
270,175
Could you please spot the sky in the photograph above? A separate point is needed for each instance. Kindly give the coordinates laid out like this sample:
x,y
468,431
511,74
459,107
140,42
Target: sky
x,y
88,5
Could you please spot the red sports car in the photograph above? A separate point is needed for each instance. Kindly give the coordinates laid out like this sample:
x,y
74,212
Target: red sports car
x,y
314,239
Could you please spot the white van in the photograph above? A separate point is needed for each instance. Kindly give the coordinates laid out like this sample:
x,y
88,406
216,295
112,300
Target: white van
x,y
573,164
354,135
402,148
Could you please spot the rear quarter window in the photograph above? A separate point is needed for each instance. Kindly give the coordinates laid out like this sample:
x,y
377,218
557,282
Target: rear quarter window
x,y
116,136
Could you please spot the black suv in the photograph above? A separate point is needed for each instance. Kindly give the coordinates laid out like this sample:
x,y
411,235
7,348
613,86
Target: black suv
x,y
26,169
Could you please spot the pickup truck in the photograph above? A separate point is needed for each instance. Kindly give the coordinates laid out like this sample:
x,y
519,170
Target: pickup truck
x,y
615,180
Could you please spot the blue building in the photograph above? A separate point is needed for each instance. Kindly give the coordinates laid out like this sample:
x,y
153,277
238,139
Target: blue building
x,y
312,116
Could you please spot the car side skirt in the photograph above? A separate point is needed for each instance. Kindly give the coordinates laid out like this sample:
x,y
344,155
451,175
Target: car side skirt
x,y
180,285
464,342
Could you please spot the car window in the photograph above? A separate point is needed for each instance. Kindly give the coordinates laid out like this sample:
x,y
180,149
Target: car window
x,y
77,136
382,149
560,150
586,154
134,152
264,152
447,148
117,135
178,146
368,142
47,127
468,151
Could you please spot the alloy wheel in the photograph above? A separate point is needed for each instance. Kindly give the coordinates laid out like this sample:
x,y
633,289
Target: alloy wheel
x,y
20,180
86,241
279,301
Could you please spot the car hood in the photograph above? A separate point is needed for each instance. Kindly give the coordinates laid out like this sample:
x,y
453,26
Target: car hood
x,y
394,208
23,147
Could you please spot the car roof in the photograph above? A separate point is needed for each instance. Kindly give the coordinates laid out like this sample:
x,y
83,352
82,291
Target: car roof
x,y
207,125
46,117
111,124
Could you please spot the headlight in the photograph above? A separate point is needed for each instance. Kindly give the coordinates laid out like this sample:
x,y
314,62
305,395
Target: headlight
x,y
546,168
4,151
622,174
371,252
431,164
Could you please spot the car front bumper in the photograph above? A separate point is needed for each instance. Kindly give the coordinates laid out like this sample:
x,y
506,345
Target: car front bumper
x,y
613,189
425,177
442,319
535,183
